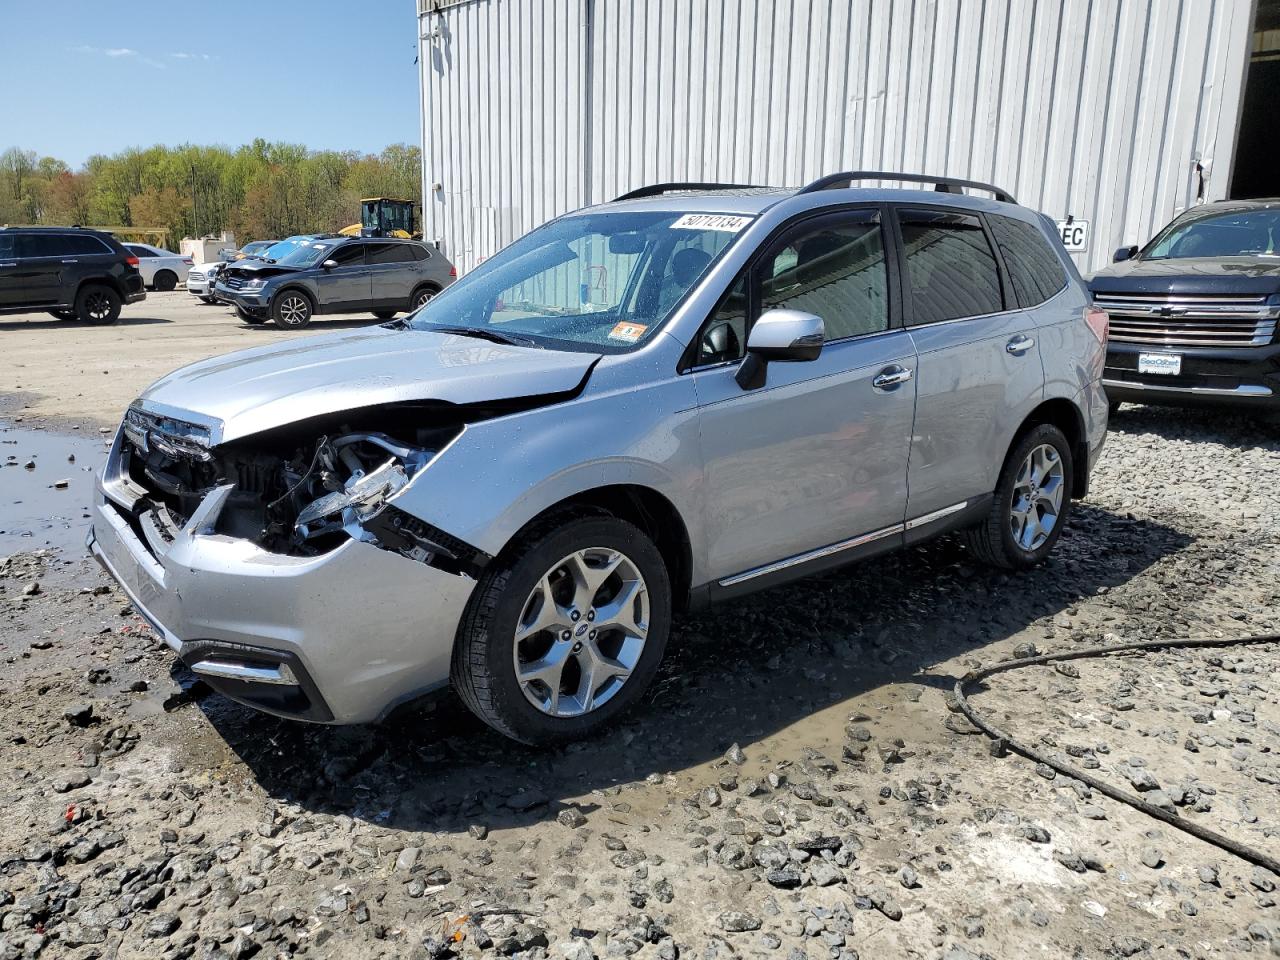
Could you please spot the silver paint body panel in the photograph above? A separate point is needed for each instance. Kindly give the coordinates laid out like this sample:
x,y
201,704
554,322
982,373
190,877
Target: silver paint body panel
x,y
817,457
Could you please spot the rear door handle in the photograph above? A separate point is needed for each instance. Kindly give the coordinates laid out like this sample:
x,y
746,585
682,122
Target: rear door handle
x,y
1019,345
890,377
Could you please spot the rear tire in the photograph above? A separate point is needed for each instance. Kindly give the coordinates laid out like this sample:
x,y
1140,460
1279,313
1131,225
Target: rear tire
x,y
384,314
165,280
291,310
421,297
559,570
98,304
1031,503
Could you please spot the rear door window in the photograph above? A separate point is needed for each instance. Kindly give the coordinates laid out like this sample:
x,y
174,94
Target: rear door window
x,y
1034,269
34,245
85,245
951,270
388,253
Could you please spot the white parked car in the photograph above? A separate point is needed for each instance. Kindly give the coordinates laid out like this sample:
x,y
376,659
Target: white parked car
x,y
160,269
200,280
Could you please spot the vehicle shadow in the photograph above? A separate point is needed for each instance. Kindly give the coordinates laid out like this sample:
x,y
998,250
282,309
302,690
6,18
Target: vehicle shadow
x,y
40,321
737,673
1234,428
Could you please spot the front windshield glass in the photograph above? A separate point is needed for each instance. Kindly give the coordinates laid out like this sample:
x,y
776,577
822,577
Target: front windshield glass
x,y
604,280
1240,233
306,254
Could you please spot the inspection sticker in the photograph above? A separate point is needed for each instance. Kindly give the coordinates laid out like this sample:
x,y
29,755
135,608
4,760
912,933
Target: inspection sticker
x,y
628,332
711,221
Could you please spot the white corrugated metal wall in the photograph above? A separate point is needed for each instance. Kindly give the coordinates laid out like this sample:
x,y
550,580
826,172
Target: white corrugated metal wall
x,y
1099,109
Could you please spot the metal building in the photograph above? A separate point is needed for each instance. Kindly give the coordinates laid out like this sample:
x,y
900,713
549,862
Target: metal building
x,y
1115,113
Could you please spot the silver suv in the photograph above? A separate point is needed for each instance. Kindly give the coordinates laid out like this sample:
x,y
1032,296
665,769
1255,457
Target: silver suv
x,y
643,406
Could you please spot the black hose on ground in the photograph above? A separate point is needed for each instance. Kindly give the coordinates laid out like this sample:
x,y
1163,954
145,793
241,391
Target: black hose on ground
x,y
1208,836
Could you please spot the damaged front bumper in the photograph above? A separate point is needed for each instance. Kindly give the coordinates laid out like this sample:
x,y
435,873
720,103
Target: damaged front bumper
x,y
341,637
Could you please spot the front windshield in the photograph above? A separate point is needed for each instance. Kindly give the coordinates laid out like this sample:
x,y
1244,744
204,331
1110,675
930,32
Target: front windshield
x,y
306,254
607,280
1240,233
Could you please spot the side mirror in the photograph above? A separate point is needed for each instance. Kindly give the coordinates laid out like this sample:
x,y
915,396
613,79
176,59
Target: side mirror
x,y
1124,253
781,335
329,264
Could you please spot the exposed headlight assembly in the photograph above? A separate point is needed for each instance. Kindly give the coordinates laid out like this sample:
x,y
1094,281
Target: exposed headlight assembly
x,y
256,284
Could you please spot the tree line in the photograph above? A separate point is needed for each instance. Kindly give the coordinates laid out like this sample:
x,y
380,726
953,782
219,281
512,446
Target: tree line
x,y
261,190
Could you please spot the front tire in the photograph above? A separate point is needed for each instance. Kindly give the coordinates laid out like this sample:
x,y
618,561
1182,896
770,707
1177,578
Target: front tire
x,y
98,304
165,280
249,318
1031,502
565,630
291,310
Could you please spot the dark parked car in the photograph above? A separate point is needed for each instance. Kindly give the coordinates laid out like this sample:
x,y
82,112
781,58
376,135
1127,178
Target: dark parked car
x,y
69,272
334,275
1193,313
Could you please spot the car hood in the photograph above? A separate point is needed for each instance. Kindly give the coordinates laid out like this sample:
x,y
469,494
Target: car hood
x,y
254,390
261,268
1225,276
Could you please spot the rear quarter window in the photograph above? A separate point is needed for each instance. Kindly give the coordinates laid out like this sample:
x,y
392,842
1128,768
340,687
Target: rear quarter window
x,y
1035,270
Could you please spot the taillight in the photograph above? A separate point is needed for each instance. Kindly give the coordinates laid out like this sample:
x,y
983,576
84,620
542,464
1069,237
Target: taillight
x,y
131,260
453,272
1098,322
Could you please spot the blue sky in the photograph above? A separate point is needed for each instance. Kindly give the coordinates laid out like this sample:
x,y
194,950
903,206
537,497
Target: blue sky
x,y
95,77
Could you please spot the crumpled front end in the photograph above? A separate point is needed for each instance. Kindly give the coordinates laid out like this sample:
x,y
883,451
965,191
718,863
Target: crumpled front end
x,y
278,566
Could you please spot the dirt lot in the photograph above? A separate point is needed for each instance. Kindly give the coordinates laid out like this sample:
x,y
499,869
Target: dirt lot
x,y
73,372
795,786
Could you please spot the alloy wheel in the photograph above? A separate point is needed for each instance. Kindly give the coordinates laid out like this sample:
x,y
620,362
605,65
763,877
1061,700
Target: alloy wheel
x,y
426,296
581,632
294,309
98,306
1037,498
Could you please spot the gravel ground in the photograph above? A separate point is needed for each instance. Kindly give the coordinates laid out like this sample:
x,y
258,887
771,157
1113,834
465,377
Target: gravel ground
x,y
795,786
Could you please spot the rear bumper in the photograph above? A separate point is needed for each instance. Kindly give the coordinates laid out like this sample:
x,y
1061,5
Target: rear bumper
x,y
337,638
134,288
1236,377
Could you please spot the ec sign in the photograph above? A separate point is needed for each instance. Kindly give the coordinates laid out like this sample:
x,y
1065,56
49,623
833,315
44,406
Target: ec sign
x,y
1075,234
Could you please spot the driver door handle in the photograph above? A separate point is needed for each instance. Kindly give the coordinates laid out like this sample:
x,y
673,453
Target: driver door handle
x,y
1019,345
890,377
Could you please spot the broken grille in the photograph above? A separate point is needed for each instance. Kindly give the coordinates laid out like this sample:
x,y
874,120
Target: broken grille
x,y
1190,321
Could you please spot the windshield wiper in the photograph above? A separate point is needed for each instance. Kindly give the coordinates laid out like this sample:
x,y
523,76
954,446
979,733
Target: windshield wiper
x,y
484,333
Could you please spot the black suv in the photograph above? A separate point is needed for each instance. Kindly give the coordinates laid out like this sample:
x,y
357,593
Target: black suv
x,y
1194,312
69,272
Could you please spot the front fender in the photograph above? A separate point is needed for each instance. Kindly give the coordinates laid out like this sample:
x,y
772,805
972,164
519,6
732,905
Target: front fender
x,y
499,474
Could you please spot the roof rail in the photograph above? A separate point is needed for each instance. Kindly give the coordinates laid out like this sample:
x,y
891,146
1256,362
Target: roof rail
x,y
657,189
941,184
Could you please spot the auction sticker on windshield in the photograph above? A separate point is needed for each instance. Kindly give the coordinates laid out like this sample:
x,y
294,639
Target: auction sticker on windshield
x,y
711,221
628,332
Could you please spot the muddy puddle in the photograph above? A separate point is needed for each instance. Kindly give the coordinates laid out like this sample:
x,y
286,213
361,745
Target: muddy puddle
x,y
46,488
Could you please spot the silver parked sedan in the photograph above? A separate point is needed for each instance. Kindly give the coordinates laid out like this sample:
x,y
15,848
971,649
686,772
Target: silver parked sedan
x,y
639,408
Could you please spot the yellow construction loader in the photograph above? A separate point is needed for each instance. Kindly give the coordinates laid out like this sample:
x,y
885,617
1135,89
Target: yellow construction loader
x,y
384,217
